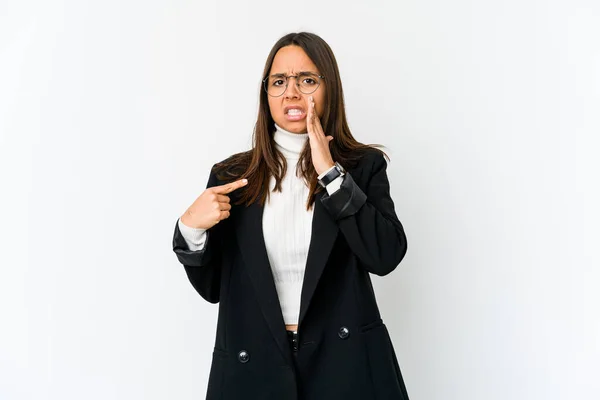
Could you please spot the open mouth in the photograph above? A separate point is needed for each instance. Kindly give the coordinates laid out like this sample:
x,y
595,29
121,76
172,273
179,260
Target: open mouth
x,y
294,114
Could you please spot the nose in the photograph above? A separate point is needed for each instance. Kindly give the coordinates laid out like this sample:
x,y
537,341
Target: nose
x,y
292,89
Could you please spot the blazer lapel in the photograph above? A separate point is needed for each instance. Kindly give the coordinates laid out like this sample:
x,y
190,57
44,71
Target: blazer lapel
x,y
252,245
323,236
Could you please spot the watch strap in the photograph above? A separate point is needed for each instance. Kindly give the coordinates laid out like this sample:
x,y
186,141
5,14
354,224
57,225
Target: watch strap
x,y
333,173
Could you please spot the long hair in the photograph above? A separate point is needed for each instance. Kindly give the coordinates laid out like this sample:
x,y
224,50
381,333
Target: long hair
x,y
264,160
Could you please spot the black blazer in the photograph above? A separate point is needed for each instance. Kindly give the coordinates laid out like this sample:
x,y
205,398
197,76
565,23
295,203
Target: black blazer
x,y
345,350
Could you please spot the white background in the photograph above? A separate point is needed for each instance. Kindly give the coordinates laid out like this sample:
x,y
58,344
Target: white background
x,y
112,112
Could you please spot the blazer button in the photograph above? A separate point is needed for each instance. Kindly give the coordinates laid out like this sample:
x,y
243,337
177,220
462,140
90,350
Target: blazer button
x,y
343,333
243,356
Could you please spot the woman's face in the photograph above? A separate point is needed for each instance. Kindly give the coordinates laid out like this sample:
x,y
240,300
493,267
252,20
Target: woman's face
x,y
292,60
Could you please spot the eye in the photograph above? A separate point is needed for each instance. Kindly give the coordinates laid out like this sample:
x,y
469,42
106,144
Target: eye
x,y
309,81
277,82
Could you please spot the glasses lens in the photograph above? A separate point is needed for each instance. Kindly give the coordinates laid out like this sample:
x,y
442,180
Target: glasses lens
x,y
275,86
308,83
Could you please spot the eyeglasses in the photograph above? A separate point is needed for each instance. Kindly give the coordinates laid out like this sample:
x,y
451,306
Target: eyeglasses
x,y
307,82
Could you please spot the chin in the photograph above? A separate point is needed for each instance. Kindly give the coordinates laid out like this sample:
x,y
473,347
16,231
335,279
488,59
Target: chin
x,y
294,127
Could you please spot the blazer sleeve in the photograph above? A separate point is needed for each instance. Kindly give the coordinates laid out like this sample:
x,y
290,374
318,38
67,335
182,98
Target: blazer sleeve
x,y
203,266
368,220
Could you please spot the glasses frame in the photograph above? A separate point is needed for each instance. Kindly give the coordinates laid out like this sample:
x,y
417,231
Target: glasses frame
x,y
287,81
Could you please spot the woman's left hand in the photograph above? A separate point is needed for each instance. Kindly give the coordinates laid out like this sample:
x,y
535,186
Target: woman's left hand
x,y
319,143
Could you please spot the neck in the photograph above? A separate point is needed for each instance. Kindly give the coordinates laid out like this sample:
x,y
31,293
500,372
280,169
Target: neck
x,y
289,143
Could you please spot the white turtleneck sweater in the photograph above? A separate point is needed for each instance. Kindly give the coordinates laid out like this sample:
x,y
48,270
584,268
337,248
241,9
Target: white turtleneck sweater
x,y
287,244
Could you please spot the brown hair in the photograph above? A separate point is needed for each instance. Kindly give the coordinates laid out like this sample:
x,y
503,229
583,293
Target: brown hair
x,y
264,160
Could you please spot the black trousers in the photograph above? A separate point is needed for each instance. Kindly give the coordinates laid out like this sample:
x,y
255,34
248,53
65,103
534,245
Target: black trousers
x,y
293,340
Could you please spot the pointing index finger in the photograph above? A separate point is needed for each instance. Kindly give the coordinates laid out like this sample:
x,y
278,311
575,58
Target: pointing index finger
x,y
230,187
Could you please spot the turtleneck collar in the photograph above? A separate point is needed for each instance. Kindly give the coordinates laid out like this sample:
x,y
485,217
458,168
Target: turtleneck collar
x,y
290,144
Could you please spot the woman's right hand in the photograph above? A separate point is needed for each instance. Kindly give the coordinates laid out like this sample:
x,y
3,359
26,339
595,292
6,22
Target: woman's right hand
x,y
212,206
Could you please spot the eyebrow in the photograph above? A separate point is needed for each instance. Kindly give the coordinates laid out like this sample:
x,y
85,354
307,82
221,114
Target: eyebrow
x,y
278,75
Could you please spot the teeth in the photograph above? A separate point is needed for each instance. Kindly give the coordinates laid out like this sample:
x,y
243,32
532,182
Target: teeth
x,y
294,111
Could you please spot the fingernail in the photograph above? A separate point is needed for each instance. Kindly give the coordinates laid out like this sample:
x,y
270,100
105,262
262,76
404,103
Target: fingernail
x,y
245,180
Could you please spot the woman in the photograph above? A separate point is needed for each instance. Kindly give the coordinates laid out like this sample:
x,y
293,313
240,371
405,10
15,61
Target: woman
x,y
284,238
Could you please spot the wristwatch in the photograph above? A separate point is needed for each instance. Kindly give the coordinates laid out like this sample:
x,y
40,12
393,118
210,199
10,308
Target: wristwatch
x,y
338,170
